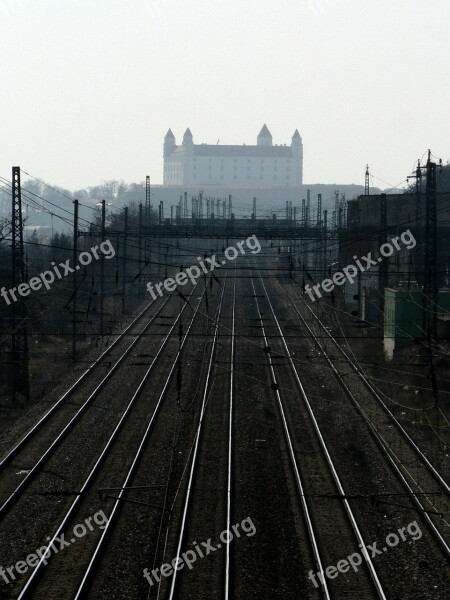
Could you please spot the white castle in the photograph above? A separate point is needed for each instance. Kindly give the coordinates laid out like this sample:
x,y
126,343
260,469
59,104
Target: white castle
x,y
263,165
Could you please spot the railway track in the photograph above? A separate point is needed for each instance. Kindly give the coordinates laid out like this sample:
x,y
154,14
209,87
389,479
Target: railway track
x,y
49,576
30,448
14,451
193,519
414,469
327,537
203,472
394,496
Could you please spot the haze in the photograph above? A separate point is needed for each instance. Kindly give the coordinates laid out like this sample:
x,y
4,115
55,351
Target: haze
x,y
89,89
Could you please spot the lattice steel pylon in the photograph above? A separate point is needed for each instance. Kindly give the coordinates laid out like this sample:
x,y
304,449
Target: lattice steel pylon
x,y
148,200
367,182
431,285
19,376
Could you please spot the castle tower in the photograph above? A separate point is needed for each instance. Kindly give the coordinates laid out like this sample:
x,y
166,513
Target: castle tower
x,y
188,142
169,143
297,151
264,137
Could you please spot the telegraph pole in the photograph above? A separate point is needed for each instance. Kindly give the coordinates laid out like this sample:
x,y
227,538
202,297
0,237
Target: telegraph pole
x,y
431,287
20,384
430,264
102,268
74,293
140,249
124,263
384,265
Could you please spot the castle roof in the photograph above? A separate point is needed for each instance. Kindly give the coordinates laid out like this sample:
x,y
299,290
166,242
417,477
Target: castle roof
x,y
169,134
264,132
187,133
296,135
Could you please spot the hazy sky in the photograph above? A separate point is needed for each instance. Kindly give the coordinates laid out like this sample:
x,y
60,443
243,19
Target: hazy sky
x,y
89,88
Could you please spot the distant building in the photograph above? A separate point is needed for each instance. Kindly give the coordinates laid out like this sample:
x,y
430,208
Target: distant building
x,y
261,165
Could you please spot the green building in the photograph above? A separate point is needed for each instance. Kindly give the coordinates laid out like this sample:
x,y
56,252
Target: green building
x,y
403,312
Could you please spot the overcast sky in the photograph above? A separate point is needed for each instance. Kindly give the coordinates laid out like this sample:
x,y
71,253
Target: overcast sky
x,y
89,88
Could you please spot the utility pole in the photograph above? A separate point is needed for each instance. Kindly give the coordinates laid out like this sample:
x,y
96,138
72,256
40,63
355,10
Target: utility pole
x,y
384,264
74,292
308,206
20,384
418,192
148,201
303,213
319,209
418,177
367,183
102,269
140,249
430,263
254,209
124,263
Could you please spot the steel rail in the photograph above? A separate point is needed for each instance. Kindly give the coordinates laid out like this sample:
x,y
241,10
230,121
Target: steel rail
x,y
230,446
33,579
384,447
14,451
298,477
399,426
195,452
75,418
352,519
